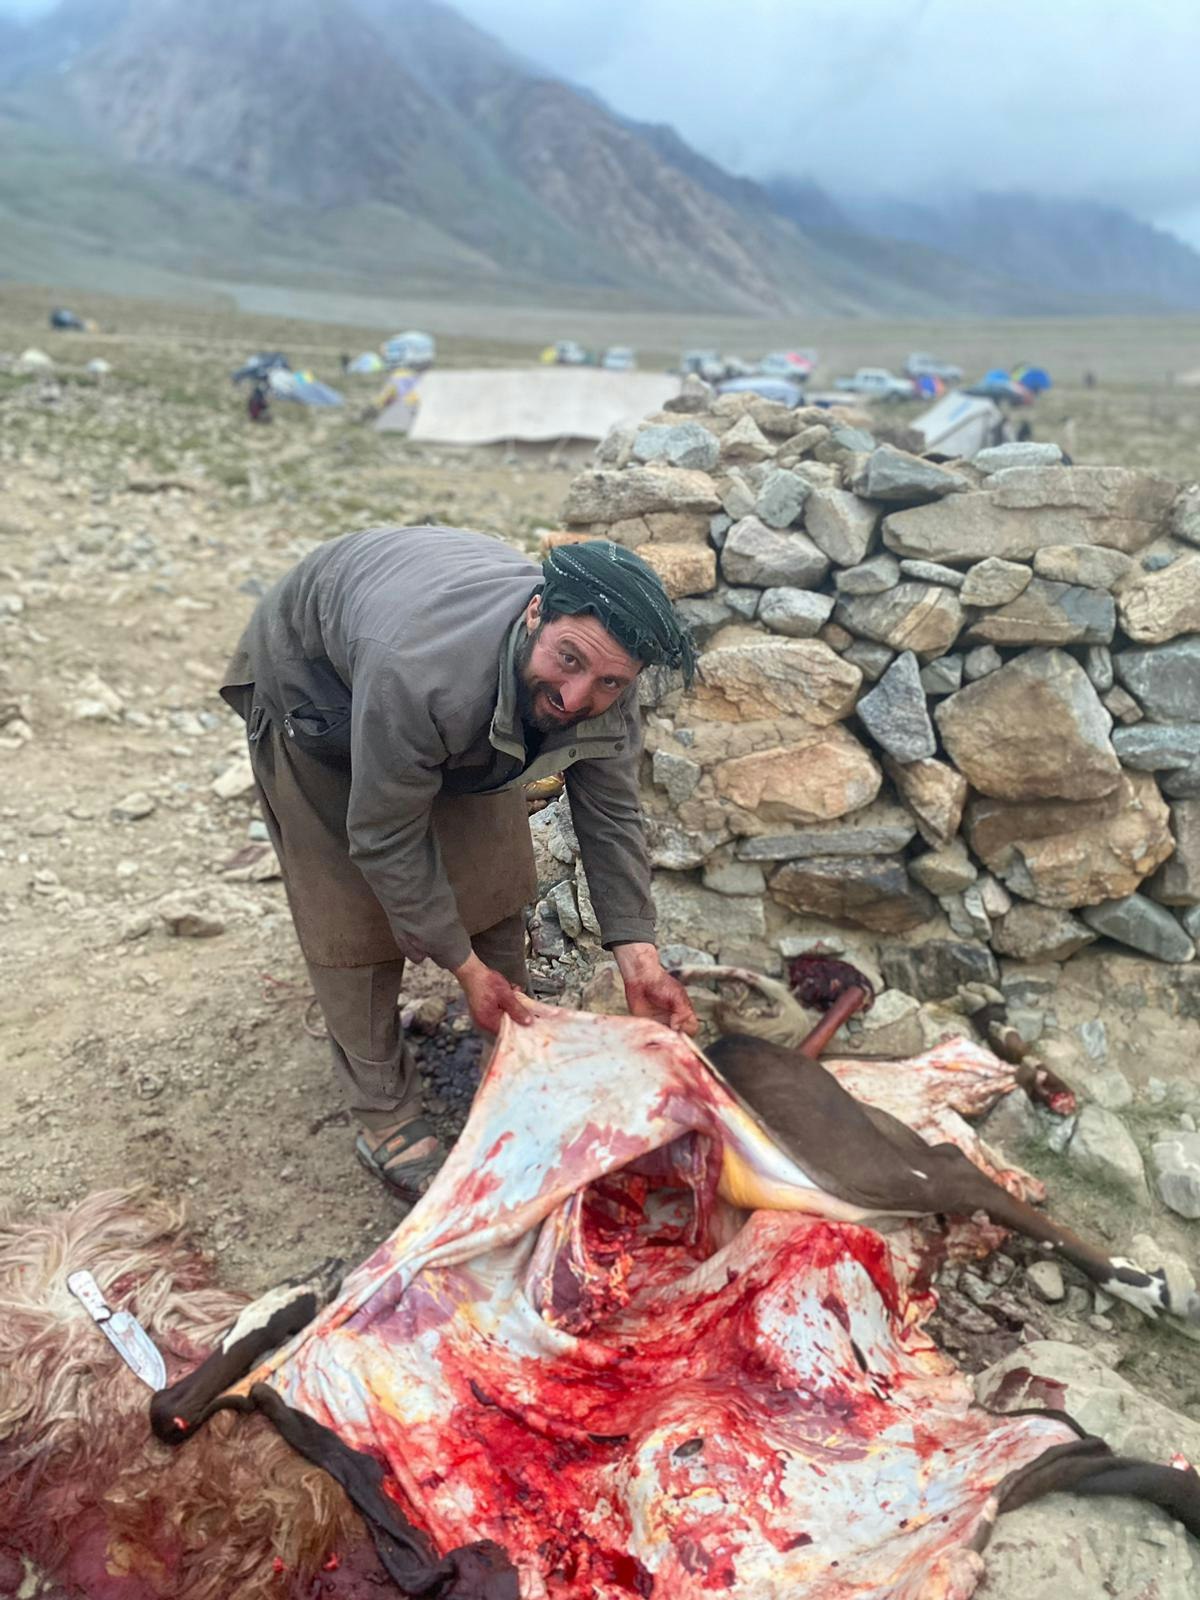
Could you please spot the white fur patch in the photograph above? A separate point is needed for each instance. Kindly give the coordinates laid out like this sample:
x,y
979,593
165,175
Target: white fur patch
x,y
1149,1297
260,1311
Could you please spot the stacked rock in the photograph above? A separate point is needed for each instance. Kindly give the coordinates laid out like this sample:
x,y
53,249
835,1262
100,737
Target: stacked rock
x,y
962,693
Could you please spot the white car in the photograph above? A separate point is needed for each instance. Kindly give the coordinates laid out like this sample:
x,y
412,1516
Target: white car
x,y
876,381
570,353
920,365
620,358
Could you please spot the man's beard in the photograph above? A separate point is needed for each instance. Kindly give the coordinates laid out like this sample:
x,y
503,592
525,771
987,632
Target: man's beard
x,y
529,688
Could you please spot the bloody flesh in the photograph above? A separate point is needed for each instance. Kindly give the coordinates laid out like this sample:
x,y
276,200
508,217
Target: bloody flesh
x,y
579,1347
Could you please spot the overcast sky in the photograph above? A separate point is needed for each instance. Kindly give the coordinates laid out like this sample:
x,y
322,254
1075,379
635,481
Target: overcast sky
x,y
1096,98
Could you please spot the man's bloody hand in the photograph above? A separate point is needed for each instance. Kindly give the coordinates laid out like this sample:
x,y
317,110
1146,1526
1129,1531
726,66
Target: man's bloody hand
x,y
651,991
490,996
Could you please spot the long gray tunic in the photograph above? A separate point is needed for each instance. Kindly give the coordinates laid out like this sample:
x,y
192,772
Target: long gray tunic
x,y
391,652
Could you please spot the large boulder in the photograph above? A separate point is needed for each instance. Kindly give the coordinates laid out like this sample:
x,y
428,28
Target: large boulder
x,y
606,495
1164,679
767,557
828,774
923,617
692,915
1067,855
678,444
867,891
1024,509
1088,564
1033,730
934,969
1157,606
779,677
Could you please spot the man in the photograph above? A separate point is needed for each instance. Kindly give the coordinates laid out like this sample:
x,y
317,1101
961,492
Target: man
x,y
399,687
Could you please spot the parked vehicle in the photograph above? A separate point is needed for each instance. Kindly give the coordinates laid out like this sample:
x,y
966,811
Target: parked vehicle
x,y
619,358
797,364
569,353
920,365
60,317
786,390
877,382
412,349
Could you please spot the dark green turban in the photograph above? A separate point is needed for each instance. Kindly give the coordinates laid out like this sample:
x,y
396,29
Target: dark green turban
x,y
625,594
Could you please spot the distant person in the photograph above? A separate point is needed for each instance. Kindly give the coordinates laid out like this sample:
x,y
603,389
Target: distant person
x,y
258,406
1089,380
345,360
1025,433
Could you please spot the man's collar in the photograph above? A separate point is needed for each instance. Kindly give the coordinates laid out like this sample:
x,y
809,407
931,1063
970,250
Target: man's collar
x,y
507,733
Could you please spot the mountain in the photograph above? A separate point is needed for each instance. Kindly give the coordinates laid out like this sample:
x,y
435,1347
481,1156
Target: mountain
x,y
393,145
1060,246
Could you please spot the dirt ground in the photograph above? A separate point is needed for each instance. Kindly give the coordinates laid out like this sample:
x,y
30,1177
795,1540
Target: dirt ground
x,y
140,517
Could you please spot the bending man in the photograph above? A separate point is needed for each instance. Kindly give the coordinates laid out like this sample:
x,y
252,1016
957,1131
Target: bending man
x,y
400,687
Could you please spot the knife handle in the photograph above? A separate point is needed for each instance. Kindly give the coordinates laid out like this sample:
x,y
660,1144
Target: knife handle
x,y
87,1291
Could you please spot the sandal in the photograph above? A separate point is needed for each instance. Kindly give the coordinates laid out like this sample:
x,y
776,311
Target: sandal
x,y
408,1178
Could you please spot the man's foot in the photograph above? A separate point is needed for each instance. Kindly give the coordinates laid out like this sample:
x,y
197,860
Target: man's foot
x,y
407,1157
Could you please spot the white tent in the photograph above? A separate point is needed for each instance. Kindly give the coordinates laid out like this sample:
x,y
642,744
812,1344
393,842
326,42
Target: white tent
x,y
532,405
960,424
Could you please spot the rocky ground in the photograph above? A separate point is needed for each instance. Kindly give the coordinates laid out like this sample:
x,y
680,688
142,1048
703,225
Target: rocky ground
x,y
153,1026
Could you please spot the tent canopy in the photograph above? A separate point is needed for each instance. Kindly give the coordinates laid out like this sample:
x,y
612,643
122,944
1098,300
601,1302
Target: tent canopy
x,y
537,405
960,424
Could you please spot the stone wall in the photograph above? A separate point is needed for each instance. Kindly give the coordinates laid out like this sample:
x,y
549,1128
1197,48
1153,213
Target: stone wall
x,y
949,707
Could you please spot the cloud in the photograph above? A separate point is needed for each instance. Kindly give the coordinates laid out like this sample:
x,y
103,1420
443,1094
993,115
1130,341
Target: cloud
x,y
1091,98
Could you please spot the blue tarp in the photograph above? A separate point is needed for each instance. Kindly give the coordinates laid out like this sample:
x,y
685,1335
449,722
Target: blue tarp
x,y
303,387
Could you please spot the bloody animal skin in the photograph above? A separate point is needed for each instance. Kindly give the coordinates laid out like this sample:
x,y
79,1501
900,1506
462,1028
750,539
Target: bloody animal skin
x,y
535,1353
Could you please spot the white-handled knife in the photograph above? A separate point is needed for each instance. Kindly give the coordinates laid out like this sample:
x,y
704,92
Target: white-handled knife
x,y
122,1330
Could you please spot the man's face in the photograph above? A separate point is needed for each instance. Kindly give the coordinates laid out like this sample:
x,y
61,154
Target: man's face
x,y
569,669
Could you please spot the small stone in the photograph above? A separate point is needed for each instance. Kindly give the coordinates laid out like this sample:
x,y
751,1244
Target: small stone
x,y
133,807
754,554
935,794
840,524
997,901
900,478
1165,679
681,444
562,897
718,526
895,715
881,828
546,936
867,891
46,826
1019,453
1122,707
966,916
798,613
943,676
872,660
745,441
725,876
1094,1036
685,569
932,572
1177,881
922,617
1039,933
1183,784
1139,923
678,775
1046,1280
777,677
187,918
945,871
737,498
1104,1150
978,663
835,636
781,498
236,780
880,573
1158,746
994,582
1087,564
1097,663
1162,605
703,615
1050,614
742,601
934,969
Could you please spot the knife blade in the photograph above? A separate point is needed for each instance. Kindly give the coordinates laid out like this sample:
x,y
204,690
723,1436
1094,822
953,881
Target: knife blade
x,y
122,1330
